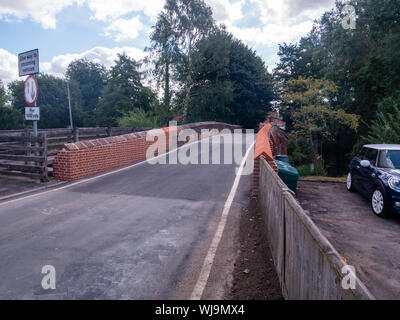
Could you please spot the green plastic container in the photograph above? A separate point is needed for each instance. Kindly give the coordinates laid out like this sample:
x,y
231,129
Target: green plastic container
x,y
288,174
283,158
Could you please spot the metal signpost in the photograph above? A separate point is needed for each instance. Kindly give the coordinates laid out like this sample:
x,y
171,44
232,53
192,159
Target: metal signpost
x,y
28,65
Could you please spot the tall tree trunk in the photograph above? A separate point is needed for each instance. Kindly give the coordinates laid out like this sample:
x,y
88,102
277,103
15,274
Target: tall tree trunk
x,y
314,153
187,95
189,82
167,91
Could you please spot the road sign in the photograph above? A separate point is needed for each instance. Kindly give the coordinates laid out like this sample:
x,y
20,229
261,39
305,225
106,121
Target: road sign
x,y
28,62
31,90
32,113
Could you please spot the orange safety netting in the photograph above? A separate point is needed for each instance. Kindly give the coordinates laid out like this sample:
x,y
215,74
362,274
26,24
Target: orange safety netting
x,y
263,144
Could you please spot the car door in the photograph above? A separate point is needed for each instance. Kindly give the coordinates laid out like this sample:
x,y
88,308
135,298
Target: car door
x,y
355,168
368,175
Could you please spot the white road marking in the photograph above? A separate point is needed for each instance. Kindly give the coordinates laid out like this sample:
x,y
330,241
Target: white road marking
x,y
209,259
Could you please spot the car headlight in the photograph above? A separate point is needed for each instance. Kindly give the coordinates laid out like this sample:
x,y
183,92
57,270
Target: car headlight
x,y
394,183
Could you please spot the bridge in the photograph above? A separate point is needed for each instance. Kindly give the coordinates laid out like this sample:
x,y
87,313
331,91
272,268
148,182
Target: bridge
x,y
139,231
128,224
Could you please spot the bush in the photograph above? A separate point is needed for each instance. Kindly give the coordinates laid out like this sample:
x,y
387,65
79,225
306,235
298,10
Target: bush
x,y
299,150
386,127
137,118
306,171
10,118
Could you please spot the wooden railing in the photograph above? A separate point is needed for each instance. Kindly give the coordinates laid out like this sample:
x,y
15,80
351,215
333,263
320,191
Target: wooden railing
x,y
21,154
24,156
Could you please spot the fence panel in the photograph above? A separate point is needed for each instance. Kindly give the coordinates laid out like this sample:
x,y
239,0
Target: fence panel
x,y
24,156
309,267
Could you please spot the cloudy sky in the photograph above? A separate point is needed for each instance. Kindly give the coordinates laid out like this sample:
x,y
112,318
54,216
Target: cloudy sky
x,y
65,30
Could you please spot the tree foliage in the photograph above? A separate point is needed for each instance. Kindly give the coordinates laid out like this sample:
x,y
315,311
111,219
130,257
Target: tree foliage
x,y
363,63
123,93
52,100
386,127
314,117
91,78
10,118
180,26
230,82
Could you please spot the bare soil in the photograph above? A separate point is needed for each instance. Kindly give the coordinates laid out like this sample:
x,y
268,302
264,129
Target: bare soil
x,y
10,186
254,276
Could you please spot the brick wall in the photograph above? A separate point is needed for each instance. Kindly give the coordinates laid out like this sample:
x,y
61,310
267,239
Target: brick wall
x,y
278,141
85,158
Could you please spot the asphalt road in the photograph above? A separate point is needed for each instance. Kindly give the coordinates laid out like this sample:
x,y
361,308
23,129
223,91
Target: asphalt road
x,y
140,233
369,243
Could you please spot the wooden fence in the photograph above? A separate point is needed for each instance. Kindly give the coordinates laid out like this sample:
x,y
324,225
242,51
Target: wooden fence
x,y
21,154
24,155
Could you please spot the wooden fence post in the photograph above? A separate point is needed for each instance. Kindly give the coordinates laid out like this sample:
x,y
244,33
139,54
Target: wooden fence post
x,y
76,134
109,131
25,134
44,154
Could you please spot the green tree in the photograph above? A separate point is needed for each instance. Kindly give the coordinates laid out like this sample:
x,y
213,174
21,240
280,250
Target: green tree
x,y
10,118
3,95
164,50
52,100
179,27
230,82
364,63
386,127
123,93
90,78
313,116
138,118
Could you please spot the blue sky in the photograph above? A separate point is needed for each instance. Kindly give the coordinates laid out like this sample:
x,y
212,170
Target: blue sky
x,y
65,30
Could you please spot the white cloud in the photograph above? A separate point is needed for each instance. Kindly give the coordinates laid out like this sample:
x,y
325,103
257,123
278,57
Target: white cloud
x,y
8,66
125,29
272,34
40,11
286,15
283,21
108,10
309,7
226,12
58,65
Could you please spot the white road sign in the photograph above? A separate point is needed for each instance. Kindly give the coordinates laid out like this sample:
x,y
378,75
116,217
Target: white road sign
x,y
31,90
28,62
32,113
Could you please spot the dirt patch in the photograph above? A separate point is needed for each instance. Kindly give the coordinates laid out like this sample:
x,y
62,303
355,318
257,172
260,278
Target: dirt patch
x,y
254,276
10,186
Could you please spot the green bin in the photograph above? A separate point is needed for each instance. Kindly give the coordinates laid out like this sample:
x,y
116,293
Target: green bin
x,y
288,174
283,158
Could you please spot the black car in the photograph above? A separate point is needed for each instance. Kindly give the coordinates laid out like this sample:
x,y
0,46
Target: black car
x,y
375,173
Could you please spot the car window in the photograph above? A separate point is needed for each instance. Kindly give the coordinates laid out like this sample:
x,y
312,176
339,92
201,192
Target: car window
x,y
371,155
361,154
389,159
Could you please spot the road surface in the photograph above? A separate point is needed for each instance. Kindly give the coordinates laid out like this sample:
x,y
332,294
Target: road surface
x,y
138,233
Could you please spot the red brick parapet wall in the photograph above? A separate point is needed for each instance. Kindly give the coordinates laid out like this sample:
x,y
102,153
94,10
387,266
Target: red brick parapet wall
x,y
263,148
85,158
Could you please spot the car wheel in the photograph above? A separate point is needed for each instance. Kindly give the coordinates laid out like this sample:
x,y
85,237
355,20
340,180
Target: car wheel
x,y
349,184
378,203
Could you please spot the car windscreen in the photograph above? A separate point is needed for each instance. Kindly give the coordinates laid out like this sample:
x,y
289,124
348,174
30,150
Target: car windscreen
x,y
389,159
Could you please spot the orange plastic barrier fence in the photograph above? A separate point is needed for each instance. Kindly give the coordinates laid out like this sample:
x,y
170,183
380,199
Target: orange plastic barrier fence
x,y
263,144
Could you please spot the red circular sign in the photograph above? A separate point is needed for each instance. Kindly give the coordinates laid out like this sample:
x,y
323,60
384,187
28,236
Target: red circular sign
x,y
31,90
